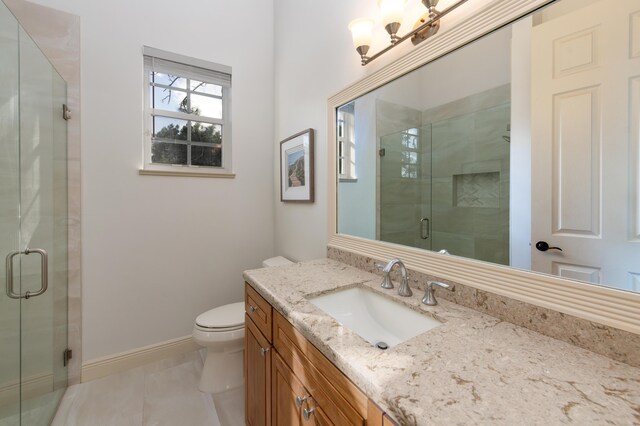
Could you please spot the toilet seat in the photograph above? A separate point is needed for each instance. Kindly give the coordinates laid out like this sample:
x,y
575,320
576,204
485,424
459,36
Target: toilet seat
x,y
219,329
223,318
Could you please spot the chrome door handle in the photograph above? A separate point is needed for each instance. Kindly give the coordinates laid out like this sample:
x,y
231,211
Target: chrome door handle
x,y
9,271
252,309
300,400
307,412
263,351
44,273
424,235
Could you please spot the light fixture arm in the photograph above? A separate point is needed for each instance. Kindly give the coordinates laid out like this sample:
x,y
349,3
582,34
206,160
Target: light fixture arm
x,y
362,51
426,28
431,7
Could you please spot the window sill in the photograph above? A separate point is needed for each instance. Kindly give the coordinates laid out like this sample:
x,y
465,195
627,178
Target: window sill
x,y
146,172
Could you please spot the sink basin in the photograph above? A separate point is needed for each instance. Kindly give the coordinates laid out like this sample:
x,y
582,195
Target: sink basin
x,y
373,317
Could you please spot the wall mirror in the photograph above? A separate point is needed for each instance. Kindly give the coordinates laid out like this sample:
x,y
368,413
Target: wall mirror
x,y
521,148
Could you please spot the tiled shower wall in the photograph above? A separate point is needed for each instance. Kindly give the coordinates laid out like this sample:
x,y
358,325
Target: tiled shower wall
x,y
462,184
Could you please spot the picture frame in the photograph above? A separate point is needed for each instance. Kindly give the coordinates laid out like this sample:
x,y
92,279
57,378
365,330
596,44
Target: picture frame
x,y
296,168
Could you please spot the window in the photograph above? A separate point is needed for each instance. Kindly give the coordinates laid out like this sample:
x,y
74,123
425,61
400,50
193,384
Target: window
x,y
346,143
187,115
410,153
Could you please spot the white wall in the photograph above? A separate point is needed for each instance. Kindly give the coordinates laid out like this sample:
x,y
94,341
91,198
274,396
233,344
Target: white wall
x,y
357,200
158,251
314,58
520,178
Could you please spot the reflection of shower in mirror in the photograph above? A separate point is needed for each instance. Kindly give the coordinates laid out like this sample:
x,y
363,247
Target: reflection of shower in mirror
x,y
507,136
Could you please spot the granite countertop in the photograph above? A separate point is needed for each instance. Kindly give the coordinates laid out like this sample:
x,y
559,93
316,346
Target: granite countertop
x,y
473,369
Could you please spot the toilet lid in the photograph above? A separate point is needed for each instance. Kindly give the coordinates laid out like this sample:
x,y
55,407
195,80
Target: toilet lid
x,y
226,316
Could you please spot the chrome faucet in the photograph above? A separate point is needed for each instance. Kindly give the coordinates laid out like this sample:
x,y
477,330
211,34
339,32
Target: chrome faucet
x,y
404,289
430,298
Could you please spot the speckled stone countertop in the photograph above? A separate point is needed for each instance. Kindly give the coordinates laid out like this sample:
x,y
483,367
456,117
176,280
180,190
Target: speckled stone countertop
x,y
473,369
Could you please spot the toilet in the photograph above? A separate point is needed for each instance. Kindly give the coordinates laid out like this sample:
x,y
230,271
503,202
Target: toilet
x,y
221,331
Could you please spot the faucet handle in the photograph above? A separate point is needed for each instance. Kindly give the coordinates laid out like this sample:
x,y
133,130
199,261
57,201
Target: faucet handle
x,y
380,266
429,297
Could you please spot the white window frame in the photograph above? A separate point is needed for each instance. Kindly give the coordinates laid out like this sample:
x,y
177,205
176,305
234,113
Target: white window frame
x,y
346,144
183,66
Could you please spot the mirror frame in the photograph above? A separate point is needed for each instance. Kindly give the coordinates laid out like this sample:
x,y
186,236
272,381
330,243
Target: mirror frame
x,y
608,306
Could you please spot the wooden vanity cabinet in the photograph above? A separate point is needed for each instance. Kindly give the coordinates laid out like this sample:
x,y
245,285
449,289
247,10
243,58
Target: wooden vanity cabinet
x,y
290,382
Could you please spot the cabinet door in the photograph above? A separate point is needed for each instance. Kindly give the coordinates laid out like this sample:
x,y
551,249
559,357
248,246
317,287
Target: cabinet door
x,y
257,364
286,388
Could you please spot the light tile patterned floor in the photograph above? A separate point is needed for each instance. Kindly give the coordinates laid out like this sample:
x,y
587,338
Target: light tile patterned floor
x,y
162,393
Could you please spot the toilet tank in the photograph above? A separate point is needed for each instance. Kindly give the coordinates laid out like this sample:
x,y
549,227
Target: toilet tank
x,y
276,261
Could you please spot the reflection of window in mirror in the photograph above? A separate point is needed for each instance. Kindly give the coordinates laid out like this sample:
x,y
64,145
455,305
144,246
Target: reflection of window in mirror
x,y
410,153
346,143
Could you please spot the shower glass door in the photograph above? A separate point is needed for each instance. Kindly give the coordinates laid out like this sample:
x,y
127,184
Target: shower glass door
x,y
9,217
404,196
33,226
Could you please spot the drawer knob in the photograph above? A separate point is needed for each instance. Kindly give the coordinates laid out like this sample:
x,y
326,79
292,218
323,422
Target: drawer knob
x,y
307,412
252,309
263,351
300,400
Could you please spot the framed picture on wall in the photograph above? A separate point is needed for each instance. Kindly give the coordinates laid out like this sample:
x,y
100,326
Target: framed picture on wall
x,y
296,167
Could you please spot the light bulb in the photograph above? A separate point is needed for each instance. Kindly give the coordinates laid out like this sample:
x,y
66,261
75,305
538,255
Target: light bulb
x,y
392,11
362,32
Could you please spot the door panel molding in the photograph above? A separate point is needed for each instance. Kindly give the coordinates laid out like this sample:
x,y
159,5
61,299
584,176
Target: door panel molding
x,y
576,188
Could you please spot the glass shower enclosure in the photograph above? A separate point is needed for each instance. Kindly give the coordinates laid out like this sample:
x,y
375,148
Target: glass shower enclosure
x,y
33,230
445,185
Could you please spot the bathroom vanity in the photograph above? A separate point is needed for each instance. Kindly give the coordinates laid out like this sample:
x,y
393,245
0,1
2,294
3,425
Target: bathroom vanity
x,y
288,381
302,365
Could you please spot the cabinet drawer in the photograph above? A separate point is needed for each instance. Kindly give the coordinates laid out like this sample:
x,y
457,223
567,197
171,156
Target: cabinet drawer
x,y
340,399
259,310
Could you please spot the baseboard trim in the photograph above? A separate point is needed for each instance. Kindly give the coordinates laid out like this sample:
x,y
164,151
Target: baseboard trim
x,y
117,363
32,386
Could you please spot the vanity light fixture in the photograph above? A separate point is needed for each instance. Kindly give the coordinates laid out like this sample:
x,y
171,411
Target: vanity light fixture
x,y
362,33
392,14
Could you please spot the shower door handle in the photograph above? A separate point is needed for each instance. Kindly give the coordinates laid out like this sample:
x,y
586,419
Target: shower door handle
x,y
424,235
9,271
44,273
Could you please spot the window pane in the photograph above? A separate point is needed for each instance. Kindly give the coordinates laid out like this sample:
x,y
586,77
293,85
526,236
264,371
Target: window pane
x,y
206,106
205,132
169,80
206,156
168,153
410,141
409,171
169,128
169,99
202,87
410,157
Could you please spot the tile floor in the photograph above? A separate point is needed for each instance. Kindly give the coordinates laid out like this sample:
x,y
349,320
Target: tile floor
x,y
162,393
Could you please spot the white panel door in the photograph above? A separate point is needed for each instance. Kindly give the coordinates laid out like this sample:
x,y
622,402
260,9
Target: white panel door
x,y
586,144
